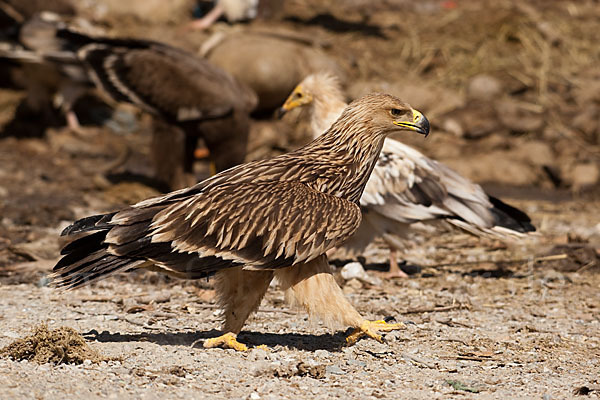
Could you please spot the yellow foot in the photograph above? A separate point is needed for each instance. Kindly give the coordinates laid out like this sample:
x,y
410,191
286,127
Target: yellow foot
x,y
370,329
227,341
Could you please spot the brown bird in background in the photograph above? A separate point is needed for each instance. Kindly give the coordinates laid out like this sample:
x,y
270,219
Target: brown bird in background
x,y
406,187
251,223
189,97
180,89
24,29
21,10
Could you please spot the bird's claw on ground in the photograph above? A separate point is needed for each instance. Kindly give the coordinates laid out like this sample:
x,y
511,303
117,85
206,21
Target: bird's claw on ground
x,y
226,341
370,329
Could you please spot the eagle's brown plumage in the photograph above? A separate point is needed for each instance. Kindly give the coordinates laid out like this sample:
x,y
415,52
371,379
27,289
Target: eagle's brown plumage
x,y
264,218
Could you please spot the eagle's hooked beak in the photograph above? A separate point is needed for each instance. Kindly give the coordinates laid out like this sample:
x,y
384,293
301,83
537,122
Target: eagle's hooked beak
x,y
419,123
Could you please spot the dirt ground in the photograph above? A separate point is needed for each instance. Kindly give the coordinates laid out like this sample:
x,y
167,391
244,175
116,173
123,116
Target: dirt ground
x,y
483,319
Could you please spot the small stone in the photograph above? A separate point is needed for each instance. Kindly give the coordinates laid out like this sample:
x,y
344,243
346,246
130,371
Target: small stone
x,y
257,354
454,127
352,286
254,396
356,363
259,368
321,353
355,270
334,369
585,175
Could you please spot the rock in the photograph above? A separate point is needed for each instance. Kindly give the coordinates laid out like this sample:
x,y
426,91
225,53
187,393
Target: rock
x,y
454,127
258,354
321,353
355,270
483,88
536,152
271,66
477,119
352,286
356,363
496,166
260,368
334,369
588,121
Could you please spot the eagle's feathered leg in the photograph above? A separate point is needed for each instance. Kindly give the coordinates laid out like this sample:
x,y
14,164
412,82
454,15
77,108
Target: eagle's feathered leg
x,y
313,286
240,293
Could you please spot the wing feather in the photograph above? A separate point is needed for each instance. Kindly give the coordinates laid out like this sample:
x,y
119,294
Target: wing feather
x,y
283,223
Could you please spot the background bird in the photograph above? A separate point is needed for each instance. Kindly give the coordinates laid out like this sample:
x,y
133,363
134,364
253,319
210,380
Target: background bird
x,y
406,187
27,29
264,219
233,10
180,89
189,97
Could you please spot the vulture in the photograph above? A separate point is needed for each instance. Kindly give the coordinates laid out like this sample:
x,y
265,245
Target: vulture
x,y
23,31
256,221
406,187
189,97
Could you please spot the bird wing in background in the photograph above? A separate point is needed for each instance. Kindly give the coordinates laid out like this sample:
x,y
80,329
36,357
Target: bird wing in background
x,y
167,83
410,187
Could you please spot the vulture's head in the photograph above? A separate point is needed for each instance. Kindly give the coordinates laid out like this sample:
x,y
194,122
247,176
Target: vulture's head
x,y
323,87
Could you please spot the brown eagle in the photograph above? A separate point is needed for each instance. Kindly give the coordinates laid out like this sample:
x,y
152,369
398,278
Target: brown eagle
x,y
253,222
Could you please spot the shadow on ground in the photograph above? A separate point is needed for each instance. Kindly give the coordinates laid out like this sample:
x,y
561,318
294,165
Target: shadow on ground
x,y
297,341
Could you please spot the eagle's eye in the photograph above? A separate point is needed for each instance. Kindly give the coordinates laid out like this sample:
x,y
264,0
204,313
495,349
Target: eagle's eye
x,y
396,112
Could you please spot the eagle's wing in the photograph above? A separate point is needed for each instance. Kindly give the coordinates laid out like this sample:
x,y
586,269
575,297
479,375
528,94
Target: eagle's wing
x,y
200,230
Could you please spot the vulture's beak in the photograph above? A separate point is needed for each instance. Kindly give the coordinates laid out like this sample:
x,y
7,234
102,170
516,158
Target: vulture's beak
x,y
296,99
289,104
419,124
280,112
